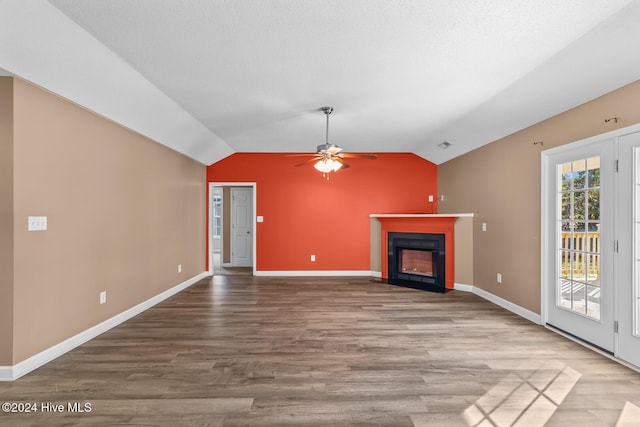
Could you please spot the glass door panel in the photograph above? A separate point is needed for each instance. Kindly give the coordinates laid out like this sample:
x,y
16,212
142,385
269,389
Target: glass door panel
x,y
579,237
629,249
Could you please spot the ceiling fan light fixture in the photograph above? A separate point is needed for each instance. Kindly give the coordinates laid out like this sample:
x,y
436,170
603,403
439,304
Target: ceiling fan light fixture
x,y
327,165
329,157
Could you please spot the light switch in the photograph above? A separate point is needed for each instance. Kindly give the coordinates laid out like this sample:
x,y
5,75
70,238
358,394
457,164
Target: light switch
x,y
37,223
484,226
259,218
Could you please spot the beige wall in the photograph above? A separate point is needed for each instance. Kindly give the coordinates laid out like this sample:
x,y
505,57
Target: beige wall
x,y
122,211
375,242
6,220
500,183
463,245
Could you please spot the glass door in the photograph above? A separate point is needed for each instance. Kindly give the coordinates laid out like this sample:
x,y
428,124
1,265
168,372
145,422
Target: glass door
x,y
579,273
629,249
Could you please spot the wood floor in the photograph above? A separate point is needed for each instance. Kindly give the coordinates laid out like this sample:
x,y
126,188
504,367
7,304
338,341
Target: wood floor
x,y
248,351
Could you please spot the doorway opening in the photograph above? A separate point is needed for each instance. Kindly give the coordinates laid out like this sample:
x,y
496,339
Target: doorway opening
x,y
231,231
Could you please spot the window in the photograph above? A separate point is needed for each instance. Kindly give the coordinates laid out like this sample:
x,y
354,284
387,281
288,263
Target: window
x,y
217,216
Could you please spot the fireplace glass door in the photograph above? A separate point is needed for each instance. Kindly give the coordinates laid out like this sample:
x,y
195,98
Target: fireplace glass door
x,y
419,262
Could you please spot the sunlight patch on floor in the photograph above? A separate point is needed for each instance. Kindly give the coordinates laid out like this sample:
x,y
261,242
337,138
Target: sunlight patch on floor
x,y
524,398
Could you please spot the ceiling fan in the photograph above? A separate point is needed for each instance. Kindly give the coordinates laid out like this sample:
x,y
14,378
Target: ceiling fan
x,y
329,157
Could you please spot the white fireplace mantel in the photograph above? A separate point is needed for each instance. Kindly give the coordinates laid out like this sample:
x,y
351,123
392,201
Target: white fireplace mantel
x,y
408,215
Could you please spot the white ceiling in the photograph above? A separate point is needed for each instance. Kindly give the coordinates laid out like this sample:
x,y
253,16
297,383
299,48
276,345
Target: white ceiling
x,y
213,77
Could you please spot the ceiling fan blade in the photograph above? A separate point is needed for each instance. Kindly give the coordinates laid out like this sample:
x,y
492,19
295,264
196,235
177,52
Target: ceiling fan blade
x,y
339,160
314,159
357,156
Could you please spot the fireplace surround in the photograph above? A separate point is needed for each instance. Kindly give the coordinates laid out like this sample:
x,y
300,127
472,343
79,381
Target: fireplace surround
x,y
417,260
442,224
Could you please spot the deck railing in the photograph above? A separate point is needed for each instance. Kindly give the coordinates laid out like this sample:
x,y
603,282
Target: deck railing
x,y
585,251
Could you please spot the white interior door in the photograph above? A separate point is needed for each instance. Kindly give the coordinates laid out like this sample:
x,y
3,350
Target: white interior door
x,y
241,227
629,248
579,183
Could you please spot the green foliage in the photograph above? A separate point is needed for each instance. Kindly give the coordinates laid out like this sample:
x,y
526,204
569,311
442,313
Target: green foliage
x,y
581,200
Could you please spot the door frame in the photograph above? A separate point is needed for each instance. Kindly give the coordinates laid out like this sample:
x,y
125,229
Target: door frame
x,y
547,245
253,187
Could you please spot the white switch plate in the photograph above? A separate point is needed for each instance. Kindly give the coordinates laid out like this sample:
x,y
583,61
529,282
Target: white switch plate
x,y
499,278
259,218
179,268
313,258
484,226
103,297
37,223
430,197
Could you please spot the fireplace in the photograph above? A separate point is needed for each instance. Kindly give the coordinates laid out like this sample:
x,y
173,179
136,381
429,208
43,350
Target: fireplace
x,y
417,260
408,231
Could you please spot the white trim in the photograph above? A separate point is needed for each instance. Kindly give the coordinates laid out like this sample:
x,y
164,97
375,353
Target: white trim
x,y
545,242
462,287
514,308
11,373
6,373
311,273
377,274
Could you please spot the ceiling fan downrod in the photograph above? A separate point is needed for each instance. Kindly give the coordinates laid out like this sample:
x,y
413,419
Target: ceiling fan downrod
x,y
327,111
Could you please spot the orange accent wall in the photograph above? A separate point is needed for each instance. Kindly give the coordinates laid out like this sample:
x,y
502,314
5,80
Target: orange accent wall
x,y
306,214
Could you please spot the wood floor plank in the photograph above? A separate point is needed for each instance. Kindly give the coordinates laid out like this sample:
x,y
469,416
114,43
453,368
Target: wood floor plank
x,y
267,351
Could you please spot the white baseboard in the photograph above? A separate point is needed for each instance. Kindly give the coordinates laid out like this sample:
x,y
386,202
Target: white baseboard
x,y
6,373
317,273
462,287
377,274
514,308
11,373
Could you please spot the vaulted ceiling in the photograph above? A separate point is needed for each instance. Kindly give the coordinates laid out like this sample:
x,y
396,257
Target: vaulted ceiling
x,y
212,77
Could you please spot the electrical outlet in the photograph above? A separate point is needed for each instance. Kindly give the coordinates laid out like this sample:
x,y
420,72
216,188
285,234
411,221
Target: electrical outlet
x,y
179,268
37,223
103,297
499,278
442,197
313,258
484,226
431,198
